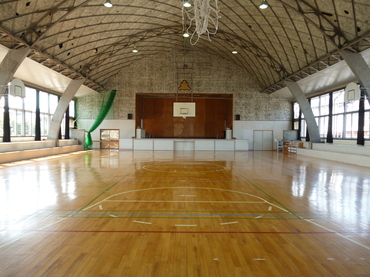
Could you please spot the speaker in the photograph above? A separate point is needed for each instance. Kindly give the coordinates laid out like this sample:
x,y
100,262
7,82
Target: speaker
x,y
129,116
237,117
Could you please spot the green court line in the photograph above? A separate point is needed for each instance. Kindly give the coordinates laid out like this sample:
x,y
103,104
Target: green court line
x,y
270,196
88,204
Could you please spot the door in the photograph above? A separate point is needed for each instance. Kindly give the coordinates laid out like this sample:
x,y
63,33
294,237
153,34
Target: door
x,y
109,139
262,140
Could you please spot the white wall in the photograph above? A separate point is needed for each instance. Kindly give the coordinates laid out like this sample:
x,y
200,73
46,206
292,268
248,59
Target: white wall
x,y
244,129
126,128
241,129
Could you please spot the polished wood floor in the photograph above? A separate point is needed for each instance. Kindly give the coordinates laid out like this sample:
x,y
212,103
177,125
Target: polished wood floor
x,y
164,213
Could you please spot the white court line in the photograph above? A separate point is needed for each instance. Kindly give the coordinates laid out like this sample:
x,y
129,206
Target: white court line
x,y
25,234
184,201
225,223
112,215
204,188
343,236
178,225
258,216
100,207
142,222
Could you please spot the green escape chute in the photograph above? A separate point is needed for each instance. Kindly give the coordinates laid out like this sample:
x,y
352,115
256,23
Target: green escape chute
x,y
105,107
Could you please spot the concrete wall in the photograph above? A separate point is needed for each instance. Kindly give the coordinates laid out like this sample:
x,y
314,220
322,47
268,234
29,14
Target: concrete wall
x,y
205,73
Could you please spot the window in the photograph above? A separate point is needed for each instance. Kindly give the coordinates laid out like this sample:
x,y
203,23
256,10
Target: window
x,y
345,116
22,113
320,109
2,103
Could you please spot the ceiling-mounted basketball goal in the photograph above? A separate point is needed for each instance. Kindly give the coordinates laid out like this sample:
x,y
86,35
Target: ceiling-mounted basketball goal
x,y
16,88
352,92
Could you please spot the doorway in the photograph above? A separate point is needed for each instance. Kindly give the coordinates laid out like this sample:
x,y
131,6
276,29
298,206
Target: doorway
x,y
262,140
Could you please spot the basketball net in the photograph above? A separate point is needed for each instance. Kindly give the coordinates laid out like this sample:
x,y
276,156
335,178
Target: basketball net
x,y
203,16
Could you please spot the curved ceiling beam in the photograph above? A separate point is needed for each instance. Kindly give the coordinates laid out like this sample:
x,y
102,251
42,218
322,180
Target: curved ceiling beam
x,y
334,35
250,29
148,34
70,11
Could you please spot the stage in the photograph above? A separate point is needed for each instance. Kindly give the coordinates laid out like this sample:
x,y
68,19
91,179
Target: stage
x,y
184,144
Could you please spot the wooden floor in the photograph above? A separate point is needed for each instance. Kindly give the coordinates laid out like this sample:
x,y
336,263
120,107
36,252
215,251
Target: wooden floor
x,y
164,213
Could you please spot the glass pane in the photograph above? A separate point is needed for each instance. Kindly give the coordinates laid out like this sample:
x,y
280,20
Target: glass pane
x,y
1,116
303,128
62,126
44,118
315,105
15,102
104,135
324,126
351,125
338,102
30,100
296,125
114,134
72,109
13,122
53,103
367,105
338,126
324,104
367,125
19,131
28,124
44,102
296,110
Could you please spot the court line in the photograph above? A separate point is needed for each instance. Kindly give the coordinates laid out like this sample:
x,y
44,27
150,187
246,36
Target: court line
x,y
257,187
142,222
193,232
308,220
226,223
23,235
185,201
84,207
204,188
339,234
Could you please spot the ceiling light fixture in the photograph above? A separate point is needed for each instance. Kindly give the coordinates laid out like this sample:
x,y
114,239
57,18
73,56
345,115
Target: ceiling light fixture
x,y
135,50
264,5
108,4
186,4
186,35
234,52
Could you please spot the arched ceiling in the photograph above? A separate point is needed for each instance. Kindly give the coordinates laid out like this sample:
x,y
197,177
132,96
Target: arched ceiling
x,y
289,40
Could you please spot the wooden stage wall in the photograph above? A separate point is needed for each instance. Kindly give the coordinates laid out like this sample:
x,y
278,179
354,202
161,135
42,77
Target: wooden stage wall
x,y
213,114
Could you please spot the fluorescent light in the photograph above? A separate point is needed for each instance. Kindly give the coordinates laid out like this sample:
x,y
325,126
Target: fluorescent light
x,y
263,5
108,4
